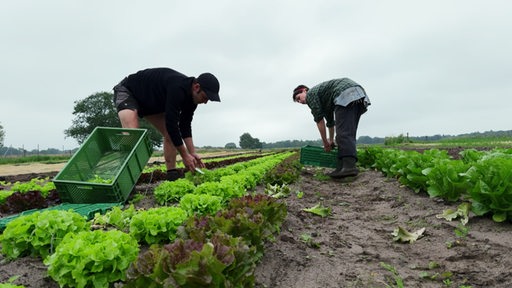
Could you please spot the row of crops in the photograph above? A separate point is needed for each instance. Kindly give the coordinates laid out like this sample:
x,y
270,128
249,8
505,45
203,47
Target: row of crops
x,y
481,178
208,232
38,193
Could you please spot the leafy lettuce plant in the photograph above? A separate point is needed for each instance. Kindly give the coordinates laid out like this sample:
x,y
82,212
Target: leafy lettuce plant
x,y
445,179
157,225
254,218
4,194
221,189
254,175
38,234
237,186
368,156
237,167
224,189
202,204
198,178
168,192
470,156
209,175
287,172
92,258
491,186
243,179
36,184
273,211
412,165
116,217
385,160
100,180
218,250
222,261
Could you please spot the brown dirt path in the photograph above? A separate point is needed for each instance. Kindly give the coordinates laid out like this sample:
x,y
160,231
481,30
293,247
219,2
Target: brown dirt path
x,y
347,248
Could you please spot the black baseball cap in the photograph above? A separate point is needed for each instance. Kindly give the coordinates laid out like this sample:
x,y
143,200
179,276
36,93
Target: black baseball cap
x,y
210,85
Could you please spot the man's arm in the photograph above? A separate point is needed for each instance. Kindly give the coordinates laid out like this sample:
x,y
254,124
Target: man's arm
x,y
331,137
323,134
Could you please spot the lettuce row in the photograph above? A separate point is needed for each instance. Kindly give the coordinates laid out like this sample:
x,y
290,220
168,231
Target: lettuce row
x,y
483,178
219,250
228,182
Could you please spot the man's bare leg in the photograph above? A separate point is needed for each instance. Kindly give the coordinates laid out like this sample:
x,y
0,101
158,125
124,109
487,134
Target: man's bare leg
x,y
128,118
170,151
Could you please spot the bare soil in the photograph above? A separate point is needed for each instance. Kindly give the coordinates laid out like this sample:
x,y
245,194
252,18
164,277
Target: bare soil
x,y
354,247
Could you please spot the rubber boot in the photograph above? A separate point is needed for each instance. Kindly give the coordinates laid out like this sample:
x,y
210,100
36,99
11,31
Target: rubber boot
x,y
172,175
349,168
339,166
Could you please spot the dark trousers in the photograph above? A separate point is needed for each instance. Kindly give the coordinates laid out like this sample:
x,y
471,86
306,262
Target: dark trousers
x,y
347,120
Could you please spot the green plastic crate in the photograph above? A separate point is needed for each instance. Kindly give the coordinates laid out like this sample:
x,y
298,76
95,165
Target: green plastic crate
x,y
86,210
115,154
316,156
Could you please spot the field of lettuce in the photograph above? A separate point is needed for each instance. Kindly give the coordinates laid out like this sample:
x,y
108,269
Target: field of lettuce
x,y
429,218
199,231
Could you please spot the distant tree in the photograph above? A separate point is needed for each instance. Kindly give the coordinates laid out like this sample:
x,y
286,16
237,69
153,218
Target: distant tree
x,y
51,151
98,110
2,136
292,144
365,140
248,142
230,145
369,140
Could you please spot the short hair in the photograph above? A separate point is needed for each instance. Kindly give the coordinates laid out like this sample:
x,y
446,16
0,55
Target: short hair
x,y
299,90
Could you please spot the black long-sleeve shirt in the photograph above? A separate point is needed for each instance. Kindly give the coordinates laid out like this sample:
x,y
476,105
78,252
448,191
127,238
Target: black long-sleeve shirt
x,y
163,90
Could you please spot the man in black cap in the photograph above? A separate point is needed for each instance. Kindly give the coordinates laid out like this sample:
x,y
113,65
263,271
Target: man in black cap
x,y
167,99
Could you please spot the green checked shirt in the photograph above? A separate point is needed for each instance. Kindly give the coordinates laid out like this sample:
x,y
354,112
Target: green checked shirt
x,y
320,98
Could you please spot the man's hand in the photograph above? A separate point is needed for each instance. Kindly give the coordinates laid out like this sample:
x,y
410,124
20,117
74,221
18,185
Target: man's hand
x,y
189,161
328,146
328,143
199,162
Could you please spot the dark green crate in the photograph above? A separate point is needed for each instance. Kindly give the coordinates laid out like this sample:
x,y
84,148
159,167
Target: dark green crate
x,y
316,156
86,210
116,154
5,220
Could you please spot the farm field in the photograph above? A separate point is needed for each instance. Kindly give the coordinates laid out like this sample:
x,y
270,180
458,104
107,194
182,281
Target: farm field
x,y
53,168
353,246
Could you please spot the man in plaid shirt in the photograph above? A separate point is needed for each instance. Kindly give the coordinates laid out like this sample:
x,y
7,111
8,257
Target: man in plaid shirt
x,y
340,103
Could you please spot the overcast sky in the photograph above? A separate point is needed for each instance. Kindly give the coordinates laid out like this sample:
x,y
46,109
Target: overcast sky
x,y
429,67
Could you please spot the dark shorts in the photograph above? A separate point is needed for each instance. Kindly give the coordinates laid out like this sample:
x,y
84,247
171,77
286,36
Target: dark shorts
x,y
123,99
